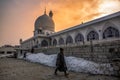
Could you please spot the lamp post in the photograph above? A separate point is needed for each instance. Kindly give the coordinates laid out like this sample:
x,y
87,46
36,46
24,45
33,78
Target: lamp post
x,y
91,45
91,49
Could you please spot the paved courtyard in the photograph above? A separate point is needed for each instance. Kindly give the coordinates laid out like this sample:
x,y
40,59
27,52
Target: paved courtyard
x,y
14,69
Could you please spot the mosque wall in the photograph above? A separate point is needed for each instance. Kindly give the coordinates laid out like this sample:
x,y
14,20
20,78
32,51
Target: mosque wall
x,y
103,52
83,33
99,28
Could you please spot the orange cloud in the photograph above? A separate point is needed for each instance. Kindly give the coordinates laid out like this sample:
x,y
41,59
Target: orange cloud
x,y
68,13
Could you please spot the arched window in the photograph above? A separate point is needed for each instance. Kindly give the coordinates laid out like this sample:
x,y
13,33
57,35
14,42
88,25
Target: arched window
x,y
61,41
92,36
79,38
44,43
110,32
69,40
54,42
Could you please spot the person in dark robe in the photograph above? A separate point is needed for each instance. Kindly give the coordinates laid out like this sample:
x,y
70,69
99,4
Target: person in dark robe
x,y
32,50
60,63
25,54
15,55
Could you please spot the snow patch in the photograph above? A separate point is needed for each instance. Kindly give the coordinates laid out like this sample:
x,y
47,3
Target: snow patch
x,y
73,63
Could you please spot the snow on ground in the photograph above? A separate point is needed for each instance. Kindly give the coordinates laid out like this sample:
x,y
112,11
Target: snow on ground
x,y
73,63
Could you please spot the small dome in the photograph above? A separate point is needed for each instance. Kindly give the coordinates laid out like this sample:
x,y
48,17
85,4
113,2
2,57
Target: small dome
x,y
44,22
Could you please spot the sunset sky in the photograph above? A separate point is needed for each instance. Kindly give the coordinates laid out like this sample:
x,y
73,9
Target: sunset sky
x,y
17,17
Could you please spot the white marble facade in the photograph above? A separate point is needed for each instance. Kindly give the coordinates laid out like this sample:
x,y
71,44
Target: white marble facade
x,y
103,29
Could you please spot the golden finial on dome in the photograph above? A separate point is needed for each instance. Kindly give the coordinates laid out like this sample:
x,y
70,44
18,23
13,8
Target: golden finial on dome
x,y
51,13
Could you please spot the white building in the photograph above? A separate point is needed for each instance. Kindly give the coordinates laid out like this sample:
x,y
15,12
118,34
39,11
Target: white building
x,y
99,30
7,49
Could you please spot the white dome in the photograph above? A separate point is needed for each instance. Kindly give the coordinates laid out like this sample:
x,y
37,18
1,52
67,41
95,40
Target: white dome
x,y
44,22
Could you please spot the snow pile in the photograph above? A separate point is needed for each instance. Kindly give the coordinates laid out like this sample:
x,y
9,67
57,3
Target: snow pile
x,y
73,64
48,60
81,65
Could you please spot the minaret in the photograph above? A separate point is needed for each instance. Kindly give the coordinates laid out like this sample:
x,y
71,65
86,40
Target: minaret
x,y
20,41
45,11
51,14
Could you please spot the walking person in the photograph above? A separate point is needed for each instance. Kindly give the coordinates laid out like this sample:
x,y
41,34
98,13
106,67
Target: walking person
x,y
24,54
32,50
60,63
15,55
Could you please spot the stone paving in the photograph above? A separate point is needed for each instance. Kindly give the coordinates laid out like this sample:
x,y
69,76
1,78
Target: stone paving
x,y
14,69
